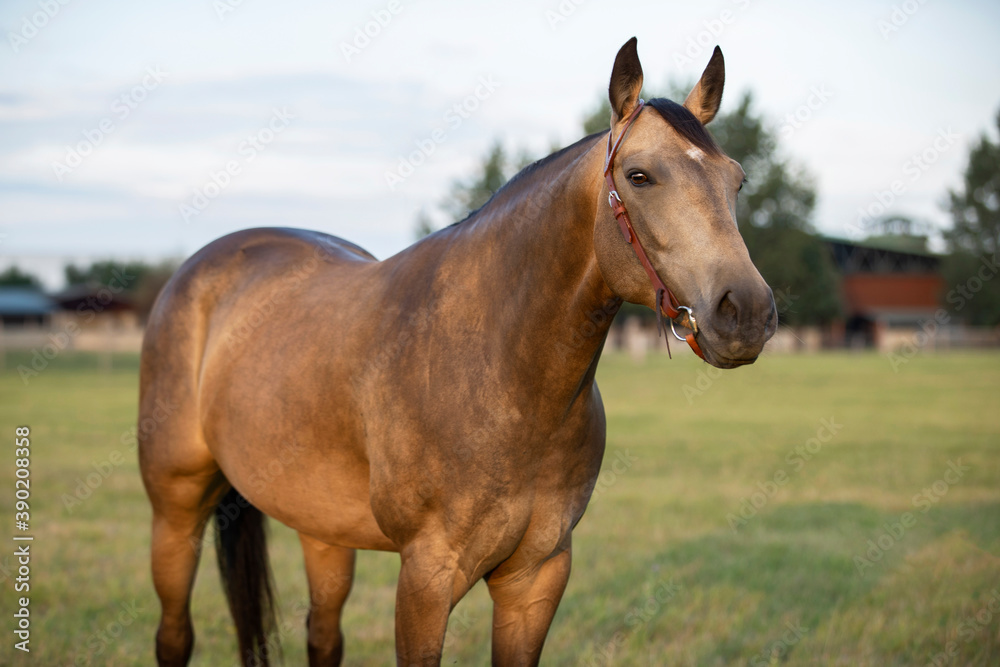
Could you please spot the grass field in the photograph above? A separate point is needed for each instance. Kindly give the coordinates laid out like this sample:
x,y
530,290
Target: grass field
x,y
806,510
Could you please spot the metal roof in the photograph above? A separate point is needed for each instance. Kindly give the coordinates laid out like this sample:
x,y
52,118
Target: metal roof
x,y
905,245
24,301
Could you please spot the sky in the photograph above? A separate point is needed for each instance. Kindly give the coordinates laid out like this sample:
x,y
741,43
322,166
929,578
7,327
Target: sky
x,y
145,130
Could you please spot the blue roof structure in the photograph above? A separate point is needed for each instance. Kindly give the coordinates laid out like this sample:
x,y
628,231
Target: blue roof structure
x,y
24,301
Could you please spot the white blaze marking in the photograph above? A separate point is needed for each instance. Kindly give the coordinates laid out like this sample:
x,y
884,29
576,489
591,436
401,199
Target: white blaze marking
x,y
695,153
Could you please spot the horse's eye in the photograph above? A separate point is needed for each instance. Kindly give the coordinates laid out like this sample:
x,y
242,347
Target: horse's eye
x,y
742,183
638,178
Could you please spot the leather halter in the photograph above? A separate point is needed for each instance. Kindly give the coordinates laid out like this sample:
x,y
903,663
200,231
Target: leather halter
x,y
671,306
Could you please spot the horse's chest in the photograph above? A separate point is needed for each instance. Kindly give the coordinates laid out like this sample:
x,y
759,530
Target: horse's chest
x,y
498,478
559,487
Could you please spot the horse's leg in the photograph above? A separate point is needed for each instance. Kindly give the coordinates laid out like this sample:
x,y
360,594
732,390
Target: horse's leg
x,y
524,602
430,584
181,508
330,571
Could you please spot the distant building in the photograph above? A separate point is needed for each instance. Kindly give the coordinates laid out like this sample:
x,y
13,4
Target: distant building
x,y
25,307
91,318
98,319
95,307
889,285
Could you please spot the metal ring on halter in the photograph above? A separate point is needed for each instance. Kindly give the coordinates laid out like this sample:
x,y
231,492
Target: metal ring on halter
x,y
611,196
694,324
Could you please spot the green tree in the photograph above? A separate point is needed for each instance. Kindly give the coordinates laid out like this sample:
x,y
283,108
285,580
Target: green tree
x,y
775,212
15,277
425,225
974,239
467,195
599,118
125,274
140,282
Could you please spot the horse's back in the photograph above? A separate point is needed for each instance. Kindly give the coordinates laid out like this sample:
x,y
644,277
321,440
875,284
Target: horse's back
x,y
200,310
254,253
226,267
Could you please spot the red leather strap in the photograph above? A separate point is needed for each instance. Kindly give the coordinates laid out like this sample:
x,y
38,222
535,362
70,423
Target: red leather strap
x,y
670,306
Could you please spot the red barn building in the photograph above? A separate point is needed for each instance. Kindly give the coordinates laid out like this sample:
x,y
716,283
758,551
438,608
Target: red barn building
x,y
887,283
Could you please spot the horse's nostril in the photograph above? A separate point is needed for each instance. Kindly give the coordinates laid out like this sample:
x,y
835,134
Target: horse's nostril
x,y
728,312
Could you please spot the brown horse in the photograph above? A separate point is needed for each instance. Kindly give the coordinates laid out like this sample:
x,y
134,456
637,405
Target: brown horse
x,y
441,403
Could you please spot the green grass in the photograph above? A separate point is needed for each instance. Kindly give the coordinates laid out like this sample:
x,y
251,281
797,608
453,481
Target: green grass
x,y
659,575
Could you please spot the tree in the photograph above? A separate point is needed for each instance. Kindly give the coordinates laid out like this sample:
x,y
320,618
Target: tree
x,y
104,272
494,170
139,281
774,211
14,277
467,196
425,225
970,270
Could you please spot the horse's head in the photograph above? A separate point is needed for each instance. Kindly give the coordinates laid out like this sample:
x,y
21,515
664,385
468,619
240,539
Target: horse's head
x,y
680,191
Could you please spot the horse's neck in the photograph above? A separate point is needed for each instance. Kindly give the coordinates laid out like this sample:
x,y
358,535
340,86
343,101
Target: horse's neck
x,y
531,255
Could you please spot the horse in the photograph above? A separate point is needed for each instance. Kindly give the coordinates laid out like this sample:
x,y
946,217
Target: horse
x,y
441,403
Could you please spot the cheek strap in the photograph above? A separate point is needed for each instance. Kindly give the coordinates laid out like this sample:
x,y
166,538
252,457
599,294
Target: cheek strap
x,y
666,303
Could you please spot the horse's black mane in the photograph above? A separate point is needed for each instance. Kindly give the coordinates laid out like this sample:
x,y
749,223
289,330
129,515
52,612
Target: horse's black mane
x,y
538,164
676,115
532,168
686,124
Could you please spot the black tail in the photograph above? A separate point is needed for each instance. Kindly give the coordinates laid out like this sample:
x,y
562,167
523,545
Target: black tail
x,y
241,545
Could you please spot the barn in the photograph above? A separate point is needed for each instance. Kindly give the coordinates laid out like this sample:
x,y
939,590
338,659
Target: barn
x,y
24,307
890,287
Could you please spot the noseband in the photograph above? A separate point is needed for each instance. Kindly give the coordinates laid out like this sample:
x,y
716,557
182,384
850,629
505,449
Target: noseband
x,y
669,305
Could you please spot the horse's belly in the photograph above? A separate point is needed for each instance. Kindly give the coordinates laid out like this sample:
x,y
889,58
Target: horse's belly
x,y
314,486
294,451
325,497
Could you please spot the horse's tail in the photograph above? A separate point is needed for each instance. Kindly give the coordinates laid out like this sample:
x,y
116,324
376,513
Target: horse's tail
x,y
241,546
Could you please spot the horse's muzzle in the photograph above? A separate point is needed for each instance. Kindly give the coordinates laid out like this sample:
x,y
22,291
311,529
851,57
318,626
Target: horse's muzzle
x,y
734,331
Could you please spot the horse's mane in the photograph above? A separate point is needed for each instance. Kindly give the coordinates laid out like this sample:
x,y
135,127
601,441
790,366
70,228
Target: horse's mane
x,y
535,166
686,124
676,115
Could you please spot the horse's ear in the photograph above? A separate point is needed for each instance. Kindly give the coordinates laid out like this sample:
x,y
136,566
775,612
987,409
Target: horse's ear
x,y
626,82
704,99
